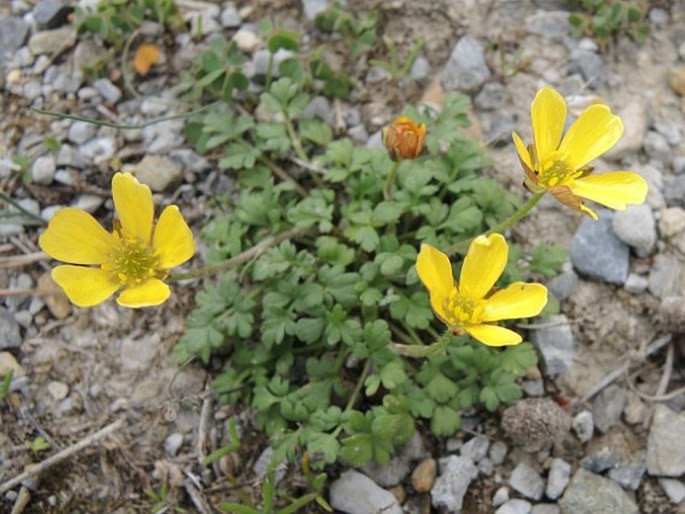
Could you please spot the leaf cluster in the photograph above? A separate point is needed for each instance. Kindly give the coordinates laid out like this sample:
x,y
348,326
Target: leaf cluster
x,y
608,20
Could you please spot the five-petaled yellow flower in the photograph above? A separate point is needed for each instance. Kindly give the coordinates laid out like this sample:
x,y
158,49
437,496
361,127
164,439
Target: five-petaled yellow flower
x,y
463,307
135,257
560,165
404,139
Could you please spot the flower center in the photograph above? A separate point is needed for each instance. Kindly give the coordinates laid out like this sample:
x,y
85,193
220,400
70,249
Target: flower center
x,y
555,171
131,262
462,309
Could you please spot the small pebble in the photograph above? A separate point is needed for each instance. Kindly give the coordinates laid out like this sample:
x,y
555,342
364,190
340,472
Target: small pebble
x,y
173,443
583,425
423,476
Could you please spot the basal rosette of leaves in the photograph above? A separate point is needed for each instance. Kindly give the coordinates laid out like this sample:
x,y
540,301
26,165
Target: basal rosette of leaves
x,y
306,328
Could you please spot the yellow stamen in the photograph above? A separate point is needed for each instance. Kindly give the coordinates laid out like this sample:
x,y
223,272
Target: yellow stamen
x,y
461,309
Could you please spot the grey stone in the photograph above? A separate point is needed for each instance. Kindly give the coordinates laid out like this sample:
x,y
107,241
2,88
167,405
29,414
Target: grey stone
x,y
377,74
230,17
515,506
500,128
498,452
636,284
597,252
657,147
491,97
398,466
164,136
476,448
50,14
43,170
9,331
555,343
173,443
551,25
591,67
664,276
466,69
533,387
87,53
80,132
107,90
420,69
601,460
313,7
527,481
583,425
486,467
450,487
670,131
558,478
655,181
658,16
355,493
246,40
138,354
260,62
31,90
678,164
501,496
204,21
265,460
22,58
13,32
99,149
634,116
590,494
665,451
674,191
545,508
563,285
88,203
637,228
681,50
24,318
48,41
58,390
319,108
674,489
358,134
608,406
160,173
68,156
190,160
628,476
535,423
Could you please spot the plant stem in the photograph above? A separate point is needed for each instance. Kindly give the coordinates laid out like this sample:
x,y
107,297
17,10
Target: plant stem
x,y
122,126
355,393
6,198
240,258
283,175
462,246
299,149
390,181
423,351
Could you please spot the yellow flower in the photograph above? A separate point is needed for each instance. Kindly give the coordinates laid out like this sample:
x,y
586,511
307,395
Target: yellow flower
x,y
135,257
560,165
404,138
463,307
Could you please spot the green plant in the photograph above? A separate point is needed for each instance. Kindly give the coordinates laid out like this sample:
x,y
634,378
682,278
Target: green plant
x,y
164,500
39,444
393,65
607,20
359,29
309,324
115,20
5,386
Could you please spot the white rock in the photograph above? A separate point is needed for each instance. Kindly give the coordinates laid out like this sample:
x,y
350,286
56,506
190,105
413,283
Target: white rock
x,y
583,425
173,443
674,489
501,496
527,481
450,487
636,227
355,493
43,170
558,478
58,390
246,40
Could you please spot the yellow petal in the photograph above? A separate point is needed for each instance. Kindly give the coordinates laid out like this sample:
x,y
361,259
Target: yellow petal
x,y
435,271
614,189
548,115
483,265
438,304
149,293
83,286
133,202
593,133
522,150
492,335
172,239
519,300
74,236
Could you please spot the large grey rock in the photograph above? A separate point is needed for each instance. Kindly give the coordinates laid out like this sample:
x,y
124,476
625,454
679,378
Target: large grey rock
x,y
528,482
671,131
674,191
9,331
558,478
590,494
491,97
665,451
535,423
634,116
664,276
674,489
628,476
160,173
555,344
398,467
355,493
637,228
466,69
563,285
476,448
545,508
590,66
657,147
608,406
13,32
598,253
450,487
552,25
48,41
51,14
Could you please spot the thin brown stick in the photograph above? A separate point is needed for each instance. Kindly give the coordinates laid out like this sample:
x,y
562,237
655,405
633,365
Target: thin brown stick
x,y
19,292
15,261
203,428
61,456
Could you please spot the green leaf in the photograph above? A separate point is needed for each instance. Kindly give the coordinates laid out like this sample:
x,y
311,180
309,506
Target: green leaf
x,y
310,211
357,449
488,396
392,375
309,330
325,444
330,250
441,388
367,237
415,310
274,261
547,259
518,358
286,39
386,212
315,131
377,335
446,421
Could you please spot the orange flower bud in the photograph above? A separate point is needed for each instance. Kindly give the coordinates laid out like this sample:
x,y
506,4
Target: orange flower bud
x,y
404,138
